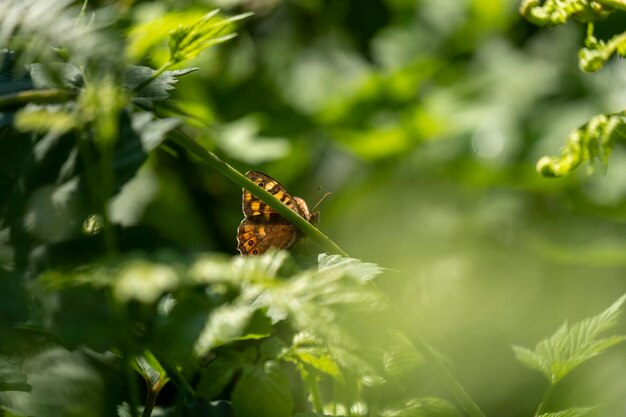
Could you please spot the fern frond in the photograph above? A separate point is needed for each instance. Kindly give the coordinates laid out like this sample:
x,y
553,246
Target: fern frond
x,y
596,52
593,141
556,12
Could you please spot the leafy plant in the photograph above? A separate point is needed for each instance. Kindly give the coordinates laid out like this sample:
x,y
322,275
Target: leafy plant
x,y
568,348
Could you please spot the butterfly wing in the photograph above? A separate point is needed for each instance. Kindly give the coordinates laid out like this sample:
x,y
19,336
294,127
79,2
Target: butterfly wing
x,y
256,234
252,206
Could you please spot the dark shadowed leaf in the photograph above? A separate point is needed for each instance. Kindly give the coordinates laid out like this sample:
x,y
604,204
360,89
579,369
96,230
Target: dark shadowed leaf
x,y
11,376
218,373
263,391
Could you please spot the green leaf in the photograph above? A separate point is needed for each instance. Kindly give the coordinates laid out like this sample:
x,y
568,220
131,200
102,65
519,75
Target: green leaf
x,y
157,89
308,353
152,131
263,391
361,270
572,345
218,373
57,74
187,41
145,282
228,323
11,376
570,412
151,369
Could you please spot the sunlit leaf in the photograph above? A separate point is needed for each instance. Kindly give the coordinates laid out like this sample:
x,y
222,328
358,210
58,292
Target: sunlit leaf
x,y
364,271
572,345
226,324
145,282
187,41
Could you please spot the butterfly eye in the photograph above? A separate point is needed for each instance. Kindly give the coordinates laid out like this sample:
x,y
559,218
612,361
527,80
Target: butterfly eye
x,y
255,252
250,242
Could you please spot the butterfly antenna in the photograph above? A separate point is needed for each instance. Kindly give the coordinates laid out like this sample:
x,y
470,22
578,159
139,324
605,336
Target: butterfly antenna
x,y
321,199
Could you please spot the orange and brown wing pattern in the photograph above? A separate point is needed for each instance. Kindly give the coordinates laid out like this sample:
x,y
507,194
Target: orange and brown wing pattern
x,y
257,234
263,228
252,206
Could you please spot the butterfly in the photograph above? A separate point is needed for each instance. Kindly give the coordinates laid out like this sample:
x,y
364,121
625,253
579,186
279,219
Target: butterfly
x,y
263,228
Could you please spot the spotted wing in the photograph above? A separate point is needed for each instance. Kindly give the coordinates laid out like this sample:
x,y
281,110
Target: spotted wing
x,y
256,234
252,206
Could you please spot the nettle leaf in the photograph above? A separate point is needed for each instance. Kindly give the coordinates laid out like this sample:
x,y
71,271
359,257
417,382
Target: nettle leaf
x,y
152,131
572,345
158,89
219,372
423,407
57,74
11,376
263,391
361,270
570,412
228,323
308,353
187,41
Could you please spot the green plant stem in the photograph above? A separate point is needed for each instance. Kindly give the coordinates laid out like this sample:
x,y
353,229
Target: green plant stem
x,y
153,393
544,400
183,140
442,371
315,394
50,95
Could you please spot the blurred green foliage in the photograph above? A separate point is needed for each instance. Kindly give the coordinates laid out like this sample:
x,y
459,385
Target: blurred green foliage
x,y
425,119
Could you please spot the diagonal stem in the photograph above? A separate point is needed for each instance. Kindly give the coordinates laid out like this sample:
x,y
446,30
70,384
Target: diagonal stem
x,y
235,176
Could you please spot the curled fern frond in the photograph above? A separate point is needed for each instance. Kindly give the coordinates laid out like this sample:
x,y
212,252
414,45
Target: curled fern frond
x,y
593,141
556,12
596,52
